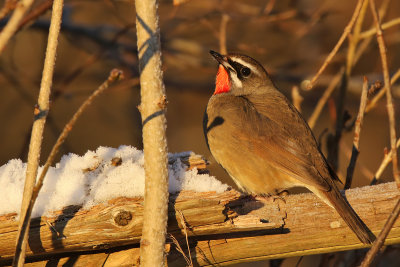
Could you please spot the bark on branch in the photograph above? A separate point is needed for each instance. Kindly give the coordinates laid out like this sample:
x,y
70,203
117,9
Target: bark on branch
x,y
223,228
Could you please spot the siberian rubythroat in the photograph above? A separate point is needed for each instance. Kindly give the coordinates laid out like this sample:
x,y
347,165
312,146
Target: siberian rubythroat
x,y
264,143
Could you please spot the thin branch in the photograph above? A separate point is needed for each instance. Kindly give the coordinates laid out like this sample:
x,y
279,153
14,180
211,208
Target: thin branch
x,y
324,98
36,13
360,50
390,108
382,92
376,246
357,130
268,7
384,26
9,5
297,99
366,42
385,162
345,33
41,112
12,25
222,33
115,75
354,39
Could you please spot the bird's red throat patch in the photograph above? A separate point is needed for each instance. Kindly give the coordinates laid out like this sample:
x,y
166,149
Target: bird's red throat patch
x,y
222,83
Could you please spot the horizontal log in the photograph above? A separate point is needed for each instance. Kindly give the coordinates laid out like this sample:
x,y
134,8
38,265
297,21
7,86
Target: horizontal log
x,y
243,228
119,222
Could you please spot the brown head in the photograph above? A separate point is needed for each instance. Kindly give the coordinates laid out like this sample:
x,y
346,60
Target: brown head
x,y
240,75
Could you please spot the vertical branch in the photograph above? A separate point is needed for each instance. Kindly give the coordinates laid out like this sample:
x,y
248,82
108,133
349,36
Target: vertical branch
x,y
222,34
390,108
297,99
357,130
152,108
114,75
41,111
13,23
354,39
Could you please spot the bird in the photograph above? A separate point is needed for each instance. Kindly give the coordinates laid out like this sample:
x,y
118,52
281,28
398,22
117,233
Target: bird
x,y
256,134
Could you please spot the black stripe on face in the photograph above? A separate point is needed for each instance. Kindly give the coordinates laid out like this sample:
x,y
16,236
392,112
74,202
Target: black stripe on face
x,y
237,66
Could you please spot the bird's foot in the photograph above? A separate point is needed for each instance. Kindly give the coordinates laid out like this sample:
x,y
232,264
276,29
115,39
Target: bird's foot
x,y
280,196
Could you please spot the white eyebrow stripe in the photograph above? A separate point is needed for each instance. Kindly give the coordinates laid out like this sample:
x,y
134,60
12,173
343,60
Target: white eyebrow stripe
x,y
246,64
236,80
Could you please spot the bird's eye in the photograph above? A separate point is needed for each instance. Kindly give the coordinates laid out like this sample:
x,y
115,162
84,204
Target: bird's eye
x,y
245,71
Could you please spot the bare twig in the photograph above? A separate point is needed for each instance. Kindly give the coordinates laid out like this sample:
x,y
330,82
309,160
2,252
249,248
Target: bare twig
x,y
382,236
222,33
38,125
8,6
115,75
34,14
366,42
354,38
390,108
357,130
385,162
296,98
268,7
382,92
335,81
309,84
324,98
384,26
13,23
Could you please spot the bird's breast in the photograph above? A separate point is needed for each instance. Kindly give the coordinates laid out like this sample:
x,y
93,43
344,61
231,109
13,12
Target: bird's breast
x,y
229,124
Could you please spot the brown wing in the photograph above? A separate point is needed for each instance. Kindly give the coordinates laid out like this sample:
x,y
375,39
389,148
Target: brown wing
x,y
281,136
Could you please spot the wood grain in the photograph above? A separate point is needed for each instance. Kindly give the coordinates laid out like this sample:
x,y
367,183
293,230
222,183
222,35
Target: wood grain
x,y
223,228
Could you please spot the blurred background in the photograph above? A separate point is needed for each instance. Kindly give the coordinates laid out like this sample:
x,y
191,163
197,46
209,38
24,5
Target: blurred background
x,y
290,38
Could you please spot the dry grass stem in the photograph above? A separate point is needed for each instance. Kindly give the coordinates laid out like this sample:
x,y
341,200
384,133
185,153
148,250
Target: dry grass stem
x,y
345,33
376,246
390,108
183,222
324,98
12,25
40,113
357,130
381,93
180,250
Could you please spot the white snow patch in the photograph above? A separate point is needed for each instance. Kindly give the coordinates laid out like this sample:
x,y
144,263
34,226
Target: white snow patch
x,y
92,179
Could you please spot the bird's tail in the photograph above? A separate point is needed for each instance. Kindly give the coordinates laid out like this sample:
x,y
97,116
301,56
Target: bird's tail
x,y
337,201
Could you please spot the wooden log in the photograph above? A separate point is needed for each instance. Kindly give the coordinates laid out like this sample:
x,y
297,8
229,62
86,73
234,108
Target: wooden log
x,y
223,228
119,223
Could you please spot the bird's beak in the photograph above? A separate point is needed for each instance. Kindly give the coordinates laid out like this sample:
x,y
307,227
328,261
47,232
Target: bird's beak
x,y
223,60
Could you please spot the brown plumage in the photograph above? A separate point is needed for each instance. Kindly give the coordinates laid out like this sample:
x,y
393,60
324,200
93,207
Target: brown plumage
x,y
264,143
